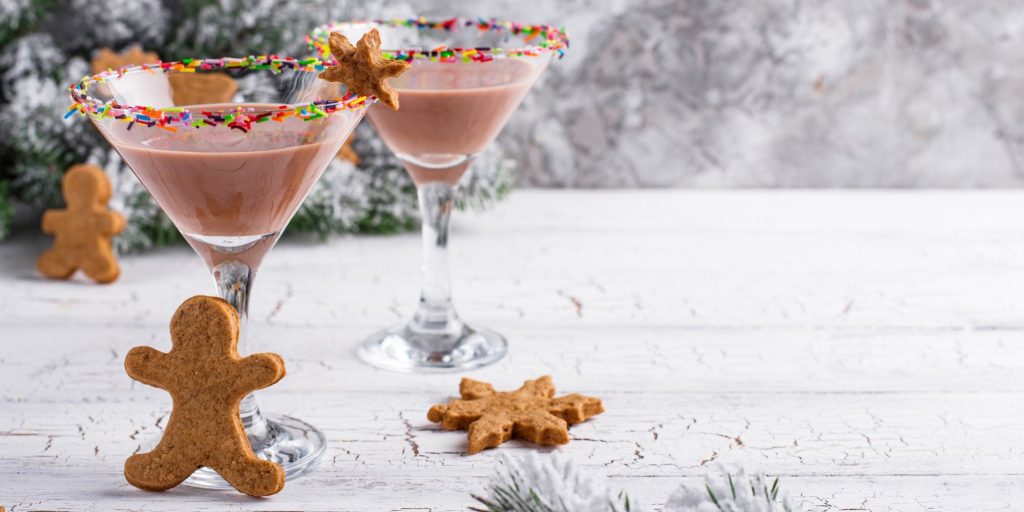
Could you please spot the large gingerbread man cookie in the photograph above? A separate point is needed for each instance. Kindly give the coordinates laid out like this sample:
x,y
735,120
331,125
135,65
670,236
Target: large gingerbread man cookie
x,y
207,381
83,231
531,413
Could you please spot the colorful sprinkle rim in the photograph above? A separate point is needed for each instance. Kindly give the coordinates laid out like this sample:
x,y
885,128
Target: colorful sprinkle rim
x,y
173,118
539,39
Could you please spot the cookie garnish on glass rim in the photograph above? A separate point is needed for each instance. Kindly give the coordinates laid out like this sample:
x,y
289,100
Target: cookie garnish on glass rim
x,y
531,413
362,68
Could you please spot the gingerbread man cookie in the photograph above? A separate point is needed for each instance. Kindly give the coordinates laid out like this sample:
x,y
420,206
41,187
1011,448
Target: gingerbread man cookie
x,y
187,88
347,152
207,381
108,59
202,88
531,413
83,231
362,68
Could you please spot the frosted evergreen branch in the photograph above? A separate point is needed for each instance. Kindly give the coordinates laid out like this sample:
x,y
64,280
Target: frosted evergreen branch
x,y
6,208
37,145
731,490
489,180
547,483
15,15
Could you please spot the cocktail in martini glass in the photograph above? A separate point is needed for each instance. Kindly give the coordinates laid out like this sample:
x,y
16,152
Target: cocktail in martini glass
x,y
230,176
467,77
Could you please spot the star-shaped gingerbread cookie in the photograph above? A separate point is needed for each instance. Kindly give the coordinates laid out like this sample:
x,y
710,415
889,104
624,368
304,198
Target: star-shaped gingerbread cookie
x,y
362,68
531,413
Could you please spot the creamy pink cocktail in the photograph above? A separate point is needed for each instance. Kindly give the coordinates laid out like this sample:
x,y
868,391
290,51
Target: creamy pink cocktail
x,y
466,78
231,194
450,113
230,176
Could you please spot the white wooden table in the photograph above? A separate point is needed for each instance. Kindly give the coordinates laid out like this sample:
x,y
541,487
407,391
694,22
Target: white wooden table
x,y
866,346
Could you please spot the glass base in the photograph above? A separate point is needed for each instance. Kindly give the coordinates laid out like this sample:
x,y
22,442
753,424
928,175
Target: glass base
x,y
294,444
402,349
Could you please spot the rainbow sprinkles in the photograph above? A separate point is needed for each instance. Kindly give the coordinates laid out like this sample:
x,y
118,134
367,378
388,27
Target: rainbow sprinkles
x,y
240,118
537,39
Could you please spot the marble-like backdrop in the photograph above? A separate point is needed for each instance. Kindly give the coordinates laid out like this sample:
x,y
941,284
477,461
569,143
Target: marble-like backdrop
x,y
750,93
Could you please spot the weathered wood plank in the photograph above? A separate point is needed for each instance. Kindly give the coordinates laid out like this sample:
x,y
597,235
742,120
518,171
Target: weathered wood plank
x,y
437,493
832,261
61,369
658,434
864,345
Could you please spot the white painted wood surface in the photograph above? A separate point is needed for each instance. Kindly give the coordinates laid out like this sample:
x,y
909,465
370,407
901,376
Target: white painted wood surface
x,y
865,346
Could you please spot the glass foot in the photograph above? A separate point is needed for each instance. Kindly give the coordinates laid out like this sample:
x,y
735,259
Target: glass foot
x,y
294,444
403,350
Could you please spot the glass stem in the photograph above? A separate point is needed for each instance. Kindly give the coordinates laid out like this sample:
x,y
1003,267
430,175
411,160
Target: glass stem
x,y
234,281
435,314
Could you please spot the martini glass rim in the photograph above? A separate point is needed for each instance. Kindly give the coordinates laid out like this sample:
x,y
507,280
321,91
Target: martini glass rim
x,y
198,116
550,39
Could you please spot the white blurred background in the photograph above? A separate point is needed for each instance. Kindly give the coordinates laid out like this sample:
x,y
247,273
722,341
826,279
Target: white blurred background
x,y
771,93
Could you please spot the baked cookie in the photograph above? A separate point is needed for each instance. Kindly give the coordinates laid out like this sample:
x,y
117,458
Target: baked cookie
x,y
531,413
347,152
207,381
362,68
202,88
82,231
187,88
109,59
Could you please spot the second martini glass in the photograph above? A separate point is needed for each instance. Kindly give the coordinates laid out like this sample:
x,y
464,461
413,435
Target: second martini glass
x,y
230,176
467,77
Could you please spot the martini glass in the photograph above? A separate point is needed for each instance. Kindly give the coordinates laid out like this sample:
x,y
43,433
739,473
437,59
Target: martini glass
x,y
230,176
466,78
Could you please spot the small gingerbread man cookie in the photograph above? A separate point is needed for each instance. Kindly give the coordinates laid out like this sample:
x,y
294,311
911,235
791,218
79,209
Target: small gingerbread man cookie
x,y
108,59
347,152
207,381
187,88
202,88
83,231
362,68
531,413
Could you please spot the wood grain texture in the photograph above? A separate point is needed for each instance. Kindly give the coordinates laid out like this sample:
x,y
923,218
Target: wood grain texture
x,y
864,346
